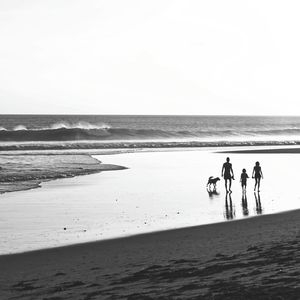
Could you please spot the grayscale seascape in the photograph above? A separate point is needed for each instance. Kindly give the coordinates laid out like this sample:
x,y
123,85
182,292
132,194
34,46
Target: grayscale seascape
x,y
149,150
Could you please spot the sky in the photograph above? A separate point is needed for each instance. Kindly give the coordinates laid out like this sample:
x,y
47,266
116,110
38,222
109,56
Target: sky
x,y
150,57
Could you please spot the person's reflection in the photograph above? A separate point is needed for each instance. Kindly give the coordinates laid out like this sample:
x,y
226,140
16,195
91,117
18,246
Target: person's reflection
x,y
245,204
229,209
212,193
259,209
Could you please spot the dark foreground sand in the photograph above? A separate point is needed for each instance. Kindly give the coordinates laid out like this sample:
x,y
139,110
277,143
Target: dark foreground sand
x,y
255,258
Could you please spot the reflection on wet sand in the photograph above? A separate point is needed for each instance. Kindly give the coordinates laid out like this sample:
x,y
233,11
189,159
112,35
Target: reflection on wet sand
x,y
258,208
212,193
229,208
245,204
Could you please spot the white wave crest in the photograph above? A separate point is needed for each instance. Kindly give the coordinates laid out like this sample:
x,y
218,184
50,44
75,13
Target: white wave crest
x,y
19,127
79,125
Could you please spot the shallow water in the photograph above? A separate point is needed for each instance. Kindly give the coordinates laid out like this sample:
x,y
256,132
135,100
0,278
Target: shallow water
x,y
160,190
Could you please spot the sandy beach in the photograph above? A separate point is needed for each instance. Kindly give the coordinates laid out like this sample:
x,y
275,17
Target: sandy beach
x,y
256,258
249,258
157,191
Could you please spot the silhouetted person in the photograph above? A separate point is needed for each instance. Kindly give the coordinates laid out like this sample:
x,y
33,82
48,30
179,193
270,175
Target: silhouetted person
x,y
245,204
227,172
243,180
258,204
257,174
229,211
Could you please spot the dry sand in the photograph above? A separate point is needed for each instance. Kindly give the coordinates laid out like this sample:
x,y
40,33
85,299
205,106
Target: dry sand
x,y
255,258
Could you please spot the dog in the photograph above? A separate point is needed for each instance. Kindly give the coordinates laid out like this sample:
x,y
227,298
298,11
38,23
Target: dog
x,y
212,181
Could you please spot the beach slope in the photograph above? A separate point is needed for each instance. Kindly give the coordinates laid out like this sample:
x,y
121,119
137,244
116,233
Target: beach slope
x,y
254,258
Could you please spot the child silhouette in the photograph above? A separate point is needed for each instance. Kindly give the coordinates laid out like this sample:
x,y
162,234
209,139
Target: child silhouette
x,y
243,180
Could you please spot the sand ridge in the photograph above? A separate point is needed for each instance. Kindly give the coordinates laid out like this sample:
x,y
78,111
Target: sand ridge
x,y
23,172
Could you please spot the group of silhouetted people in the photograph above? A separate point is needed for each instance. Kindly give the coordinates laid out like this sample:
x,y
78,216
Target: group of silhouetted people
x,y
227,173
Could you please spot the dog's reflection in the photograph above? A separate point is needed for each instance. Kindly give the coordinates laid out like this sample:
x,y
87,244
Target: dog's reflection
x,y
245,204
212,193
229,209
258,208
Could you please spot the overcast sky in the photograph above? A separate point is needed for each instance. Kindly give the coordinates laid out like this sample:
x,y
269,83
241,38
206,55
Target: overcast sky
x,y
150,57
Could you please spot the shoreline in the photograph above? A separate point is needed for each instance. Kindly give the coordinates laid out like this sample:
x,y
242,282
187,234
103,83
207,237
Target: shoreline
x,y
132,144
267,151
111,217
12,181
192,259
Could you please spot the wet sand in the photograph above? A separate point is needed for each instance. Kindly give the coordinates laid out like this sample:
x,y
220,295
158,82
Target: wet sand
x,y
24,172
255,258
279,150
158,191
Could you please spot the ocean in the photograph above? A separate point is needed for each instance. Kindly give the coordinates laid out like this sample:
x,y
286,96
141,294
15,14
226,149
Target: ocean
x,y
52,132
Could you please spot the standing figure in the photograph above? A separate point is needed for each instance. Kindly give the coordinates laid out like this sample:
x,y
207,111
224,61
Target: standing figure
x,y
257,174
227,173
243,180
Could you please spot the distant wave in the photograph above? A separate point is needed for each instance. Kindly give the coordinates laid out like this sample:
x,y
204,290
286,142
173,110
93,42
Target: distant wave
x,y
19,128
276,132
78,125
76,134
61,131
83,131
136,145
96,133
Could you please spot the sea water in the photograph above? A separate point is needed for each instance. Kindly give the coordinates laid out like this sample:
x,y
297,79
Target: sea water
x,y
44,132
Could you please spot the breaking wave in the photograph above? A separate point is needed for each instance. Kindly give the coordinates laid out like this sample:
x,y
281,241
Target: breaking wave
x,y
84,131
78,125
84,135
